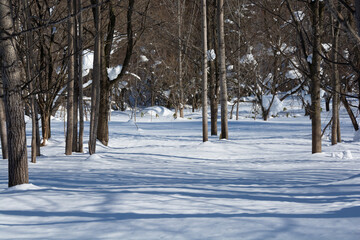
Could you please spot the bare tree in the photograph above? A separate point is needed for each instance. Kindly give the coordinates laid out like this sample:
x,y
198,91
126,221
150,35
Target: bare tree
x,y
335,127
70,84
106,84
29,77
204,73
223,85
11,75
80,76
180,59
95,88
317,8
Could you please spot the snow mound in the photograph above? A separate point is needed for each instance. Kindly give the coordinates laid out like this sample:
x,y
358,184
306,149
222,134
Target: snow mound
x,y
157,111
347,154
94,157
342,155
24,187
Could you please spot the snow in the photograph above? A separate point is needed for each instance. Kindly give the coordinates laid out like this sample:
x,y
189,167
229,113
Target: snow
x,y
309,58
293,74
276,106
211,55
88,61
157,111
299,16
248,59
157,180
143,58
113,72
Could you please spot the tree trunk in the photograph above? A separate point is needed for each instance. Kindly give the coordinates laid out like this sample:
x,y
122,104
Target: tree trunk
x,y
214,79
180,59
70,86
45,126
213,73
335,132
14,105
80,78
357,15
223,85
317,8
104,111
106,85
38,138
4,144
350,113
29,59
239,5
205,73
95,88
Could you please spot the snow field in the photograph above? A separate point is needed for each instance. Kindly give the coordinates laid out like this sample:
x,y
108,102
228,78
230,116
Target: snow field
x,y
157,180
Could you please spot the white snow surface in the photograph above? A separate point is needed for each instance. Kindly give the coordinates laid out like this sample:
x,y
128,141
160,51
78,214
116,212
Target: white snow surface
x,y
157,111
157,180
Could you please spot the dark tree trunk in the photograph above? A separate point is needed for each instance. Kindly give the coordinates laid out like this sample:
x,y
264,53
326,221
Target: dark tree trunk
x,y
317,8
335,127
104,111
80,79
4,144
205,74
214,76
180,59
95,88
45,126
14,105
106,85
223,85
70,86
29,63
350,113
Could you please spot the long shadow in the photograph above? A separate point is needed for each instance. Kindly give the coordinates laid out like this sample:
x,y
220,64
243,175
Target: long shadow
x,y
352,212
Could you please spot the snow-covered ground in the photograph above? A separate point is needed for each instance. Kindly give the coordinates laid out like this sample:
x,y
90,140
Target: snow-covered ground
x,y
157,180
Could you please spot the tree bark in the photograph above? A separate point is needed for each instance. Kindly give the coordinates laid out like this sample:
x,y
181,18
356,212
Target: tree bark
x,y
70,86
29,59
357,15
205,73
14,105
80,79
95,88
223,85
335,132
180,59
214,76
317,8
4,144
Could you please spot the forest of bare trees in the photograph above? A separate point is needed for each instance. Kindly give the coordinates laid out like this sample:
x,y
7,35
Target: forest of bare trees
x,y
178,54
